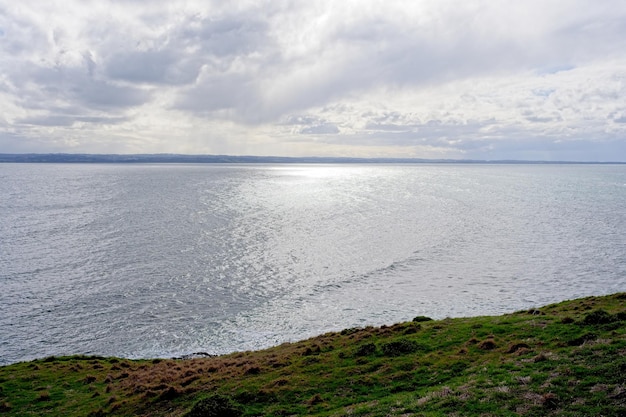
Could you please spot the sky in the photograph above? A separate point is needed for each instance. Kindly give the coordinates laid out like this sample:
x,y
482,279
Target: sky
x,y
526,80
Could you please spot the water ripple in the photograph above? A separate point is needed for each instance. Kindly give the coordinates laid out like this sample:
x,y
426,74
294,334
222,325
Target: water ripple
x,y
163,260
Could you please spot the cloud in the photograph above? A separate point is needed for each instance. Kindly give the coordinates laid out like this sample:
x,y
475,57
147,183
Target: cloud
x,y
294,78
69,120
43,86
322,129
151,67
227,36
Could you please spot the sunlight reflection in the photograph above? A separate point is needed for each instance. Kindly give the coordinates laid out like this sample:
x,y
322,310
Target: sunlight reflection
x,y
315,171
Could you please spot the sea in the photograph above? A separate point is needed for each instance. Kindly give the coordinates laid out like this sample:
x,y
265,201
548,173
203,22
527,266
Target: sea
x,y
167,260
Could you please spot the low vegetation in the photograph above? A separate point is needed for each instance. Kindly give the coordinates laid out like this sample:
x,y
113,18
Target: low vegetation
x,y
566,359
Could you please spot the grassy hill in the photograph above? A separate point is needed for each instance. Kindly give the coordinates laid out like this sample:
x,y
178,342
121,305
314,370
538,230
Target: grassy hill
x,y
566,359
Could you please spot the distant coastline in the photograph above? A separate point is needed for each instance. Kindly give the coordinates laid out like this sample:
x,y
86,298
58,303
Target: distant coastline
x,y
228,159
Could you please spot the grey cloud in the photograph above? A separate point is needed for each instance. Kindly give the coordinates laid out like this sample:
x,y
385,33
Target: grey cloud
x,y
388,127
19,36
218,92
301,120
311,125
104,95
183,50
161,67
102,120
51,120
227,36
392,122
502,143
543,92
552,70
75,86
235,53
596,34
356,56
386,53
538,119
436,133
396,58
69,120
322,129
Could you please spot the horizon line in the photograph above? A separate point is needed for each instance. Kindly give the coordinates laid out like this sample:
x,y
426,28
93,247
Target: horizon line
x,y
65,157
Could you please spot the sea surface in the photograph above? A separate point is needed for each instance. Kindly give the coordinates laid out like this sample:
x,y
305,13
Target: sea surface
x,y
167,260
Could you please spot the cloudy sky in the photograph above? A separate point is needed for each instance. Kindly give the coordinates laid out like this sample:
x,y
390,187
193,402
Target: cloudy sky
x,y
534,79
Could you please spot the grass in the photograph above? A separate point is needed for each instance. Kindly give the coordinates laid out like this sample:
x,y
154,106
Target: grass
x,y
566,359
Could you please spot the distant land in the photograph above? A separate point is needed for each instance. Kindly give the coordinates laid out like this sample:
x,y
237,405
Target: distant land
x,y
229,159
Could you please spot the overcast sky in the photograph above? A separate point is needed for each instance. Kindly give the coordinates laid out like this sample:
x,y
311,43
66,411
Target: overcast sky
x,y
541,80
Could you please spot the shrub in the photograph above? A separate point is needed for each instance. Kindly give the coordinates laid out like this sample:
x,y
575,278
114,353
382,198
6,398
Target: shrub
x,y
487,344
399,347
214,406
365,350
252,370
315,350
582,339
169,394
421,318
598,317
89,379
517,346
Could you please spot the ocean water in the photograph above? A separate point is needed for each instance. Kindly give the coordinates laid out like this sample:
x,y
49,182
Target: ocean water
x,y
167,260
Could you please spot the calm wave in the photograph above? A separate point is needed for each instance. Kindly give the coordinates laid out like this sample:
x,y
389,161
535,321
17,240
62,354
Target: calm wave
x,y
164,260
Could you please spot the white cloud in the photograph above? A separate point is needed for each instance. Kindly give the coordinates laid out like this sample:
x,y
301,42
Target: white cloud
x,y
475,79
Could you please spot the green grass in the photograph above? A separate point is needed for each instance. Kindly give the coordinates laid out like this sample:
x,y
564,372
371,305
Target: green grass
x,y
566,359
